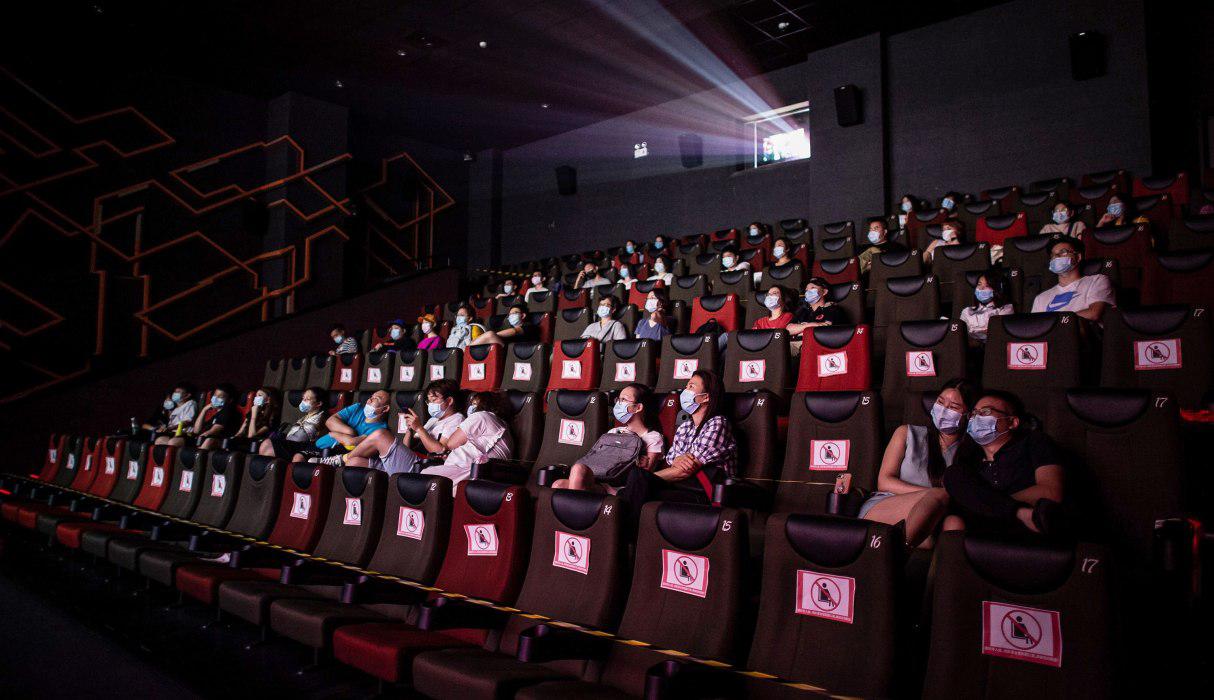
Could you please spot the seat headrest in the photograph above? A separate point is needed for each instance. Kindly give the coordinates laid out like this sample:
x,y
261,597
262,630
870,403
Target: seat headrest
x,y
839,292
485,497
347,359
258,466
924,334
980,206
1000,221
1155,320
1026,326
1033,199
833,336
518,399
826,541
573,403
1028,244
754,340
1019,566
302,474
834,267
647,286
894,258
522,350
793,224
1000,192
832,406
1094,191
573,294
687,526
707,258
321,361
414,488
442,354
961,251
736,276
572,315
405,399
713,302
905,286
188,456
158,451
1199,224
1185,262
688,344
836,227
576,509
1113,234
783,271
408,357
926,216
1108,408
574,348
688,281
688,248
479,352
540,297
1147,203
355,479
835,244
625,349
1158,182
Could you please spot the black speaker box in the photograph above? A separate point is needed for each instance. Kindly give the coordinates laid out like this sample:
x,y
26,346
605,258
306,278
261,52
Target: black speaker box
x,y
849,109
691,150
1088,55
566,179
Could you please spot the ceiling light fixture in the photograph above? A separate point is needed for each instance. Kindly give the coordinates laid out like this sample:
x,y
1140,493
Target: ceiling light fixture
x,y
783,25
483,44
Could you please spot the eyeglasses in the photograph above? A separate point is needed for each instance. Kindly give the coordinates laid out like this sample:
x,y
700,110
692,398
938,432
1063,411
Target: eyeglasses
x,y
987,412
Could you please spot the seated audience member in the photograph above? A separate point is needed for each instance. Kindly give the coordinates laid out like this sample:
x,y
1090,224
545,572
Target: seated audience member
x,y
1011,481
950,234
703,446
290,440
351,425
630,249
778,315
754,230
589,276
509,288
1064,222
731,262
605,327
660,243
396,340
909,484
442,418
345,344
213,423
624,272
661,271
262,418
1088,296
879,242
515,327
652,325
431,340
781,252
818,309
1118,213
907,205
177,412
990,299
630,413
482,436
461,331
538,285
950,201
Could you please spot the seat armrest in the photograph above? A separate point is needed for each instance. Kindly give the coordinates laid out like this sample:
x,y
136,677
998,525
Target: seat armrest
x,y
139,521
739,493
502,471
449,614
684,679
845,504
106,511
305,571
207,541
368,589
168,531
546,476
545,642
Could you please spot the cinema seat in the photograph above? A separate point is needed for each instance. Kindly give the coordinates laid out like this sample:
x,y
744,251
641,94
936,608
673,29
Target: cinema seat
x,y
829,434
526,367
570,323
834,247
950,263
295,374
1162,348
577,574
719,309
903,299
320,371
483,367
792,276
759,360
377,371
838,271
835,358
1191,233
1096,196
151,492
576,365
1176,187
442,363
1012,619
1180,278
688,568
69,461
629,361
574,421
683,355
413,534
130,468
1032,356
489,542
275,373
1027,258
921,356
995,229
1120,178
45,517
850,298
968,213
90,457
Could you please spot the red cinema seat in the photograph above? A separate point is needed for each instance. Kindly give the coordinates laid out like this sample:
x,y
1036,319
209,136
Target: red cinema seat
x,y
483,367
836,358
722,308
575,365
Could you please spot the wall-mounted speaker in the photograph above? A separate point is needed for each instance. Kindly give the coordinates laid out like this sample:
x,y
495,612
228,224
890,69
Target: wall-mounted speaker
x,y
849,108
691,150
1088,55
566,179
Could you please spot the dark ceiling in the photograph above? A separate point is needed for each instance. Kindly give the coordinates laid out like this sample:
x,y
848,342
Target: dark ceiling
x,y
419,64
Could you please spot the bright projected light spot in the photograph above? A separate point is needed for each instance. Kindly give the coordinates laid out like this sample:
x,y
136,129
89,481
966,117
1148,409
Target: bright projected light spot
x,y
780,135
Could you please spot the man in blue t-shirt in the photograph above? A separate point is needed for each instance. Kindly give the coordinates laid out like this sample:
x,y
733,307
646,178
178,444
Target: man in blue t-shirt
x,y
354,422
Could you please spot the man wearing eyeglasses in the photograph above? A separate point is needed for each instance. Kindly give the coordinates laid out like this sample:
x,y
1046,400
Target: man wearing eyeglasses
x,y
1088,296
1008,478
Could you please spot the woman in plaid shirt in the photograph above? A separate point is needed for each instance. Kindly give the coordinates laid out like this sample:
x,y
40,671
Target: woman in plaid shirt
x,y
703,452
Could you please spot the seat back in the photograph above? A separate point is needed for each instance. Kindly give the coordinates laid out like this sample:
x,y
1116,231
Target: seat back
x,y
1030,258
682,355
542,302
903,299
835,358
295,373
721,308
968,213
1180,278
50,461
837,271
1096,196
791,276
185,484
111,466
738,283
1174,186
378,370
156,477
629,361
921,356
526,367
483,367
1191,233
1038,208
217,487
306,491
688,288
355,516
896,263
759,360
995,229
131,470
1032,355
1059,185
258,496
409,371
951,262
402,402
829,433
442,363
753,423
320,371
1166,349
570,323
574,421
850,297
347,372
1023,618
415,526
275,374
1120,178
828,247
575,365
488,545
526,422
90,458
835,571
70,461
573,299
835,229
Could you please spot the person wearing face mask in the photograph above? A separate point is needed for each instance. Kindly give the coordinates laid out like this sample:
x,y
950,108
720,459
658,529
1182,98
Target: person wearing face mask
x,y
514,327
509,288
589,276
627,279
653,325
661,271
291,439
908,205
179,409
1118,213
703,452
990,299
431,340
659,244
215,422
442,418
1008,479
262,417
605,327
781,252
731,261
817,310
778,315
950,201
879,242
350,426
345,344
461,331
754,231
382,450
630,416
1063,222
483,435
909,484
1088,296
951,233
535,285
631,253
396,340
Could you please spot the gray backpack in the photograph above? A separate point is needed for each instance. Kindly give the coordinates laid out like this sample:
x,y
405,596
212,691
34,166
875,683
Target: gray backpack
x,y
613,455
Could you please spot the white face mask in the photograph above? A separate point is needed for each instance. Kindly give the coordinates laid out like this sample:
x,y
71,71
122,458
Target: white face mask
x,y
778,251
659,268
427,326
771,302
948,234
461,320
754,231
259,400
536,281
727,262
874,236
395,333
651,305
507,288
604,311
514,319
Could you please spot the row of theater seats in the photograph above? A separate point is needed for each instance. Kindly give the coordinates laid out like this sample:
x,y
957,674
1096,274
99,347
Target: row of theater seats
x,y
495,594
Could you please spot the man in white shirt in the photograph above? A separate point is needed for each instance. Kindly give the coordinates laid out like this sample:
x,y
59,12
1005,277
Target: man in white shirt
x,y
1088,297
